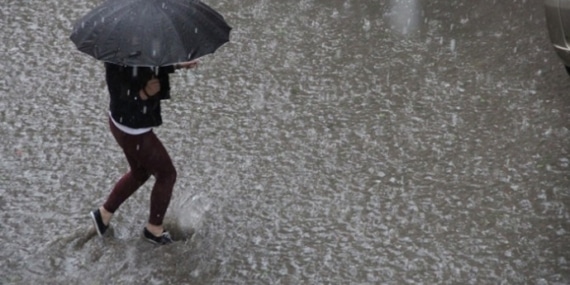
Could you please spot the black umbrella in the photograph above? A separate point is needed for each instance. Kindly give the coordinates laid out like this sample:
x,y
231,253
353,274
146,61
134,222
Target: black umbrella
x,y
150,32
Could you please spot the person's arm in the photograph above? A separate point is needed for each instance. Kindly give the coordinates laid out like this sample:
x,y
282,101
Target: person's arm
x,y
145,83
187,65
150,89
151,85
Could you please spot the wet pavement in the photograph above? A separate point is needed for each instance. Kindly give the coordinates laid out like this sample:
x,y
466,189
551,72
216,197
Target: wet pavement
x,y
331,142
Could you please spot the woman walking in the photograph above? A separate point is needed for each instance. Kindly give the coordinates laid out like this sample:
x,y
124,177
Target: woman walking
x,y
135,96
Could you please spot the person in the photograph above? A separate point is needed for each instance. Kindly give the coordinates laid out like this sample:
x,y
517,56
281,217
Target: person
x,y
134,110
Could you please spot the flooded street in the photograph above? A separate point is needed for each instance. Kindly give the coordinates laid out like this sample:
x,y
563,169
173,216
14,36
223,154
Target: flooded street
x,y
330,142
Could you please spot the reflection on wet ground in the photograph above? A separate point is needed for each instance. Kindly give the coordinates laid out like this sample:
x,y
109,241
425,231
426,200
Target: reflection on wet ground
x,y
331,142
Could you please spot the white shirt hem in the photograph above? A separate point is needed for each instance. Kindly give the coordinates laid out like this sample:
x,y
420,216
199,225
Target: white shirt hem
x,y
130,131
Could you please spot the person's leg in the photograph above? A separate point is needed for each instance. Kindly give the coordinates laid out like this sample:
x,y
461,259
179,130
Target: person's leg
x,y
146,156
127,185
156,160
132,180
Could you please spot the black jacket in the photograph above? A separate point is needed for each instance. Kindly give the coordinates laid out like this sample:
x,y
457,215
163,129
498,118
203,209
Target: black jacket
x,y
124,84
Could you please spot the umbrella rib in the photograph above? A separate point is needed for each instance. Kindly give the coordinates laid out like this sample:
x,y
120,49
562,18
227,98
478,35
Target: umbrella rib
x,y
174,27
136,32
206,15
104,38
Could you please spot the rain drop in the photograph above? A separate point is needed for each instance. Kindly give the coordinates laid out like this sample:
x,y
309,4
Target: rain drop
x,y
138,147
144,110
135,71
82,25
121,120
366,25
335,14
196,30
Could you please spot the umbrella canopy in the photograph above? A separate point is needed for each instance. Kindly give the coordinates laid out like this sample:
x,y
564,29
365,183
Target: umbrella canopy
x,y
150,32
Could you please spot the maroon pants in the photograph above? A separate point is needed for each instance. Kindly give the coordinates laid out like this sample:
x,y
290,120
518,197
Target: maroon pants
x,y
146,156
